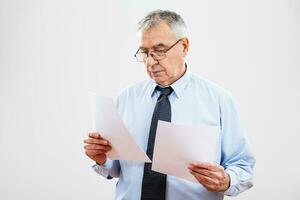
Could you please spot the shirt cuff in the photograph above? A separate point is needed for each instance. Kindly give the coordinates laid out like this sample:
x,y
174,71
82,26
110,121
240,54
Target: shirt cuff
x,y
103,170
231,191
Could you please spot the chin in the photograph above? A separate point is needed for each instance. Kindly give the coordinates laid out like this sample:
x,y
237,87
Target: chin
x,y
159,81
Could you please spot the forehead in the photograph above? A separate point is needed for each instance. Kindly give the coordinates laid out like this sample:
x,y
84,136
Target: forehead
x,y
158,34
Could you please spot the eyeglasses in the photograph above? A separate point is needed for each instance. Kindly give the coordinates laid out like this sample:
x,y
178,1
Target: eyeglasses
x,y
141,56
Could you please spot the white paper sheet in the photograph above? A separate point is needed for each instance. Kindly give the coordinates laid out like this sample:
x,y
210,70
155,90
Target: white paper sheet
x,y
107,121
176,146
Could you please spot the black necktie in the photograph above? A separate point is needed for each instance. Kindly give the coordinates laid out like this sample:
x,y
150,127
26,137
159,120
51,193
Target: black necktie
x,y
154,183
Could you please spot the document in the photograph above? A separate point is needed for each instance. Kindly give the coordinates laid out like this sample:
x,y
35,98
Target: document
x,y
176,146
106,120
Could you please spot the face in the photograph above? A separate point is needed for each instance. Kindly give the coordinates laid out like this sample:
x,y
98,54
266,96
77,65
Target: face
x,y
171,68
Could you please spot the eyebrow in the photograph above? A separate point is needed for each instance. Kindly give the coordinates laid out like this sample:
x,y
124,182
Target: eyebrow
x,y
155,46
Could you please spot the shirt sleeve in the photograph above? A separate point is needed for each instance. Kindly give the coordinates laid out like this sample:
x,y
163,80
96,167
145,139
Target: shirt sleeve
x,y
110,169
236,156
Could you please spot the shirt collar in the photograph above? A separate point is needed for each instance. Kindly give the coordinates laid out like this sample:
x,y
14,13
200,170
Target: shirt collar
x,y
178,86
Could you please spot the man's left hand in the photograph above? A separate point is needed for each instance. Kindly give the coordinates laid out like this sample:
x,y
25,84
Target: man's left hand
x,y
212,176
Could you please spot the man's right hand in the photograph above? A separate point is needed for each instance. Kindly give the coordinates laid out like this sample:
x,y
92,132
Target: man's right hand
x,y
96,147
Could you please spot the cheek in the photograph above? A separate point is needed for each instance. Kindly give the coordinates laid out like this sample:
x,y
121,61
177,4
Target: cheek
x,y
172,67
149,73
168,72
165,67
171,71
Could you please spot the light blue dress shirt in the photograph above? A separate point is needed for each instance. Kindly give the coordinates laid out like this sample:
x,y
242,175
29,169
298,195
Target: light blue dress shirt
x,y
194,101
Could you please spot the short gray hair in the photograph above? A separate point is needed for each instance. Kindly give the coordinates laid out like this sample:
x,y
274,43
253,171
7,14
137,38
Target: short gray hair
x,y
173,20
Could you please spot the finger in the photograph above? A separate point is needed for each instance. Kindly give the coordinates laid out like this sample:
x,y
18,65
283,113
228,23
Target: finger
x,y
96,141
97,147
95,135
203,165
94,152
205,172
217,172
205,180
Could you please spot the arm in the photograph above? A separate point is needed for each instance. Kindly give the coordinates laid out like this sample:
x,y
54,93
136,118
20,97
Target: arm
x,y
235,174
96,148
236,156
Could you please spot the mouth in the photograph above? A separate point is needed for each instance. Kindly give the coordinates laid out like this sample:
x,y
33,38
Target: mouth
x,y
155,73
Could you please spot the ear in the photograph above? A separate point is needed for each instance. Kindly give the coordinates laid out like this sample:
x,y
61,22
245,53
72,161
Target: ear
x,y
185,44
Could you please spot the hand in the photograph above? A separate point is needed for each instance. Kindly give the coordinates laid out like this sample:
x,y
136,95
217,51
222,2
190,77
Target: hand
x,y
96,147
212,176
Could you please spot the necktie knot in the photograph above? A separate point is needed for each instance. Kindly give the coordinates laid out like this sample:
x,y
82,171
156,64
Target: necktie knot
x,y
165,90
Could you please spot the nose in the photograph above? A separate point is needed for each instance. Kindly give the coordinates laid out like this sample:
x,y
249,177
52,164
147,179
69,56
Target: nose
x,y
150,61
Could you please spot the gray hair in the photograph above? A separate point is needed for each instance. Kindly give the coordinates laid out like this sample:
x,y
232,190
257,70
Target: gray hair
x,y
173,20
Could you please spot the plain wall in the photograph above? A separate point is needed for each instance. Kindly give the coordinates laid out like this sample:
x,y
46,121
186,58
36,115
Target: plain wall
x,y
53,52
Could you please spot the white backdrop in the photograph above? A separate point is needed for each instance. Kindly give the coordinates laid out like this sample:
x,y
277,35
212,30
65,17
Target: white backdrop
x,y
53,52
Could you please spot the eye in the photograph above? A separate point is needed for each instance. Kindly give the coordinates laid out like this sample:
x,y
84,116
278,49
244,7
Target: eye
x,y
142,53
159,52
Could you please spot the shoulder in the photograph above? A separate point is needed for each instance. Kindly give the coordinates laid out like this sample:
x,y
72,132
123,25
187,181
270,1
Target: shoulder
x,y
210,88
135,89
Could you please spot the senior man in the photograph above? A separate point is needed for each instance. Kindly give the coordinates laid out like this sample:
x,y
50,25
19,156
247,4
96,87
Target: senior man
x,y
173,93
